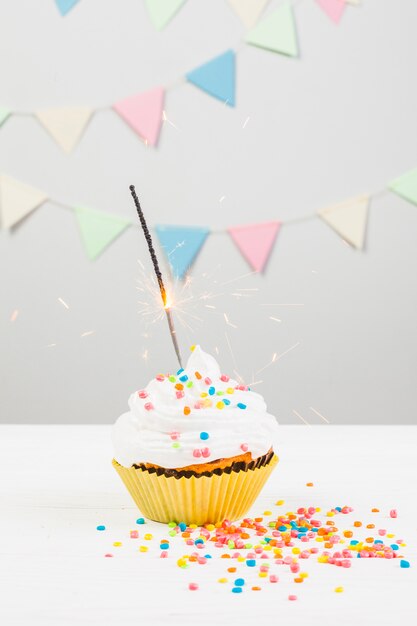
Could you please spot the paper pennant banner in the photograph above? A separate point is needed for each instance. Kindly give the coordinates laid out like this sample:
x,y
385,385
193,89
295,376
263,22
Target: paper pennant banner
x,y
248,11
143,113
65,125
333,8
4,114
348,219
65,6
98,229
255,242
181,245
406,186
276,32
217,77
161,12
17,200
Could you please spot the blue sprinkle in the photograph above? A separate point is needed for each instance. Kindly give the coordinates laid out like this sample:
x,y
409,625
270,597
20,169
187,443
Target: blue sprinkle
x,y
314,529
394,546
211,391
282,528
251,562
182,526
404,563
204,436
358,556
208,556
101,527
226,401
140,520
164,546
354,542
197,541
180,371
338,508
184,378
378,541
237,590
241,405
239,582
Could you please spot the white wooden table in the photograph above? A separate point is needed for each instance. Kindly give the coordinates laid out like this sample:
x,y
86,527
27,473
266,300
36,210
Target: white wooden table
x,y
57,485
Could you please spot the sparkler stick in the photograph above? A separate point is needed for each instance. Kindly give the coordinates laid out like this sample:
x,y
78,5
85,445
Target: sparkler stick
x,y
167,305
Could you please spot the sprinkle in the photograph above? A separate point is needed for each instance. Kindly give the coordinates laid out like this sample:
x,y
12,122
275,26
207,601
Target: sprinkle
x,y
179,386
211,391
224,378
244,447
204,436
241,405
180,371
203,394
339,589
187,410
184,378
197,453
101,527
273,578
148,536
172,379
237,590
117,544
164,545
143,393
176,444
108,555
192,348
140,520
190,384
393,513
226,401
292,597
231,570
220,405
239,582
149,406
193,586
404,564
134,534
179,394
205,452
207,380
183,526
222,580
251,562
198,375
143,548
279,502
160,377
375,510
174,435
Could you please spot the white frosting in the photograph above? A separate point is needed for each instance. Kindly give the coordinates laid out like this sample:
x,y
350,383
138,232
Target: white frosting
x,y
147,434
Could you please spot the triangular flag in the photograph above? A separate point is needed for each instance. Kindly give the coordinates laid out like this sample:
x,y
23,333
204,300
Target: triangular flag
x,y
348,219
217,77
65,124
98,229
4,114
65,6
333,8
143,113
406,186
276,32
255,242
162,11
248,11
181,245
17,200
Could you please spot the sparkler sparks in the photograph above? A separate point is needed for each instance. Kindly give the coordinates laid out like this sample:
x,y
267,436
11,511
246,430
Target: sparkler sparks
x,y
14,315
64,304
301,417
320,415
228,322
276,357
245,122
275,319
87,333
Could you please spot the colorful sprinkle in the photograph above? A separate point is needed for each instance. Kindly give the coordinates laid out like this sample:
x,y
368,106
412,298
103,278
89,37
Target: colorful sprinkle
x,y
134,534
180,394
339,589
174,435
393,513
292,597
160,377
149,406
211,391
172,379
142,393
404,564
239,582
205,452
101,527
220,405
193,586
241,405
198,375
187,410
244,447
224,378
237,590
197,453
204,435
140,520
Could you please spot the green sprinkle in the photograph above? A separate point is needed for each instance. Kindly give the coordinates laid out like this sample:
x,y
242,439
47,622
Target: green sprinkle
x,y
172,379
220,393
248,546
175,444
190,383
171,524
172,533
231,545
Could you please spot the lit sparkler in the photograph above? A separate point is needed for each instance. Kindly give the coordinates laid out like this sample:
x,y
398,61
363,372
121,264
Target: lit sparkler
x,y
166,302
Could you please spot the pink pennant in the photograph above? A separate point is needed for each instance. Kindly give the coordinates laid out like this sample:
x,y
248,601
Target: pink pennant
x,y
333,8
143,113
255,241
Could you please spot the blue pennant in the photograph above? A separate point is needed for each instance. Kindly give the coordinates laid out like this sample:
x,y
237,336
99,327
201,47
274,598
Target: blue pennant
x,y
65,6
181,245
217,77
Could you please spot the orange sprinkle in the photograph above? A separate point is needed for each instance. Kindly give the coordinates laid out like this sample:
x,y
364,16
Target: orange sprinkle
x,y
179,386
357,524
348,533
375,510
225,556
256,588
299,579
187,410
198,375
309,484
231,569
369,540
370,526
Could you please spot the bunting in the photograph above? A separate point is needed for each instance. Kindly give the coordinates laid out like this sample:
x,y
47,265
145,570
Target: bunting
x,y
249,11
143,113
255,242
98,229
217,77
181,245
276,32
65,125
334,9
17,200
161,12
406,186
65,6
348,219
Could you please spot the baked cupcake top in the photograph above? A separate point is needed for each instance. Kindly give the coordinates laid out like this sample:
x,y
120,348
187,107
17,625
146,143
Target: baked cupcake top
x,y
196,416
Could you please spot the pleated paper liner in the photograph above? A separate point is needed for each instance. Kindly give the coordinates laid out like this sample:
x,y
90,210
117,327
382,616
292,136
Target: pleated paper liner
x,y
195,499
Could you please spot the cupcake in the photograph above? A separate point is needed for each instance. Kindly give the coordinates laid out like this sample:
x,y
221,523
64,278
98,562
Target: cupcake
x,y
195,447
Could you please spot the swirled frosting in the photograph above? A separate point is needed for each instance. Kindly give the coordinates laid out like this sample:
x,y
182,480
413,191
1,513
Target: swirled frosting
x,y
195,416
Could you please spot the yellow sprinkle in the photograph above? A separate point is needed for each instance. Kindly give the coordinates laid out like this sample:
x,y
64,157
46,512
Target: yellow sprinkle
x,y
208,526
279,502
241,559
318,509
222,580
117,544
267,512
266,548
319,539
296,550
143,549
192,348
203,394
230,390
181,562
390,535
404,545
195,526
220,405
330,514
148,536
263,574
322,559
338,589
303,574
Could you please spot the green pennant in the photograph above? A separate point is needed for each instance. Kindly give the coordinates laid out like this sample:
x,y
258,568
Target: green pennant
x,y
406,186
161,12
276,32
98,229
4,114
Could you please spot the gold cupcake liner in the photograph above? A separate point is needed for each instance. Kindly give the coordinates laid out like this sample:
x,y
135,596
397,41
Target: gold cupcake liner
x,y
195,499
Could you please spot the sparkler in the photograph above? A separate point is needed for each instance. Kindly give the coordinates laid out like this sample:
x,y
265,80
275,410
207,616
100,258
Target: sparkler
x,y
166,303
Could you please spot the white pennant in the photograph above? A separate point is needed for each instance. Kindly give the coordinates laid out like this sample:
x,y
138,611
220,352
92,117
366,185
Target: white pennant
x,y
17,200
249,11
65,124
348,219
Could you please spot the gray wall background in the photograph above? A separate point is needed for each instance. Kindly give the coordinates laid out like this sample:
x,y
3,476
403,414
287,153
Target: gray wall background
x,y
338,122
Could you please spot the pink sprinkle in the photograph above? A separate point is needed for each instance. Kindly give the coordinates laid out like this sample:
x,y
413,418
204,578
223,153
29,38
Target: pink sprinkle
x,y
244,447
197,453
224,378
287,560
263,568
160,377
134,534
179,394
294,567
205,452
207,381
142,393
273,578
393,513
164,554
149,406
189,542
193,586
197,405
346,563
382,532
108,554
291,597
174,435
